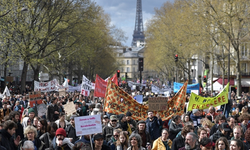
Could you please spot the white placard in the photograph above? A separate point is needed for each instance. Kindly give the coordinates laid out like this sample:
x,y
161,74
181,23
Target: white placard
x,y
46,86
86,86
86,125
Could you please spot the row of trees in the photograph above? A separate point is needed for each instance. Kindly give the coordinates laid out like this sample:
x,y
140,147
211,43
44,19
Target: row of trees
x,y
61,37
208,28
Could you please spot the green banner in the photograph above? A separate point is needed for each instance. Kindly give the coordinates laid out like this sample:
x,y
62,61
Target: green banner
x,y
199,102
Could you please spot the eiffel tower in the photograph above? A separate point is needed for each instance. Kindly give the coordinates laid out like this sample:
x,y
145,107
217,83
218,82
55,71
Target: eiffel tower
x,y
138,35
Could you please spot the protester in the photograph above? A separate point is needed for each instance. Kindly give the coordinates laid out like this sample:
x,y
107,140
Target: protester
x,y
60,142
47,137
153,124
163,142
236,145
179,142
29,119
71,131
61,122
52,111
224,131
190,141
98,143
114,139
175,127
4,111
9,128
141,130
135,142
212,112
131,121
202,133
206,144
122,142
222,144
30,134
14,116
107,131
42,127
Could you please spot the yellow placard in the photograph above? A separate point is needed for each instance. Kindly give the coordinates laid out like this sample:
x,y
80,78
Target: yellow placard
x,y
199,102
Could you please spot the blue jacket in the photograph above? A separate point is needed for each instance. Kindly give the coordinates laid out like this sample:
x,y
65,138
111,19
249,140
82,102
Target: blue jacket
x,y
154,127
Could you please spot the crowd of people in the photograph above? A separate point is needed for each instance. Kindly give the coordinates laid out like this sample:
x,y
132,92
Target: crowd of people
x,y
22,128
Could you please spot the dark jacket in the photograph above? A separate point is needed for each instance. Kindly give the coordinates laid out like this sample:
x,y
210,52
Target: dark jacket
x,y
154,127
104,147
196,120
217,135
214,129
107,131
45,138
55,147
19,130
132,121
178,143
174,129
7,141
37,143
51,116
71,133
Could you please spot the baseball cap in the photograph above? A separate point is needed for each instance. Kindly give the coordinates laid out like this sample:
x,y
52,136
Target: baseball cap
x,y
225,126
98,136
113,117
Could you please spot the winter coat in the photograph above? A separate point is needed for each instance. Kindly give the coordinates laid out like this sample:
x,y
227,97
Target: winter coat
x,y
154,127
7,141
133,122
217,135
45,138
158,145
51,116
37,143
178,143
174,129
71,133
108,131
2,115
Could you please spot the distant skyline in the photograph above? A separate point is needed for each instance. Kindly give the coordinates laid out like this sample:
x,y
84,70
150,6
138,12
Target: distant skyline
x,y
122,14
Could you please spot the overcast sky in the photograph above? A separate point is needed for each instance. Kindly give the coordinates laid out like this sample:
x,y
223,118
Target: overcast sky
x,y
122,13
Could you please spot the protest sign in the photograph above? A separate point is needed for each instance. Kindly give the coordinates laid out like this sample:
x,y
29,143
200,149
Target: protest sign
x,y
155,89
41,110
118,101
195,91
199,102
190,87
100,87
86,86
46,86
62,92
74,88
157,103
35,98
69,108
87,125
6,91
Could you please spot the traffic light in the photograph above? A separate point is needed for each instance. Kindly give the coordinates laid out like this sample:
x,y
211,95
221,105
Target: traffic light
x,y
176,58
140,64
118,73
126,75
204,78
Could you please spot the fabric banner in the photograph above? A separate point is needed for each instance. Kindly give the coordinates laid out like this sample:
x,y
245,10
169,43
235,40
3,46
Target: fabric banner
x,y
74,88
6,91
46,86
118,101
86,86
199,102
190,87
100,87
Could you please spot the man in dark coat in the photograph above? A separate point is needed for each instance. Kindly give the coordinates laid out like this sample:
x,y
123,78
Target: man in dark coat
x,y
14,116
141,130
131,121
179,142
153,126
53,111
9,128
175,127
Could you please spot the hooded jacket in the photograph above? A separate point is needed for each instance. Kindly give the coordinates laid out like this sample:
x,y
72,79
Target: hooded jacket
x,y
108,131
7,141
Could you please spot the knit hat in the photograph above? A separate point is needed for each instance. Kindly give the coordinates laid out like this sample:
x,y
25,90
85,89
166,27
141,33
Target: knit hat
x,y
31,110
129,114
61,131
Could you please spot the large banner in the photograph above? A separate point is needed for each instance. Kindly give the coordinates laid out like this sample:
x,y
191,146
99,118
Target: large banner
x,y
46,86
119,102
86,86
190,87
100,87
199,102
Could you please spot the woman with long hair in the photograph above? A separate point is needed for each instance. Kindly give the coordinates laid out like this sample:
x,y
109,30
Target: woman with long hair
x,y
42,127
135,142
122,142
222,144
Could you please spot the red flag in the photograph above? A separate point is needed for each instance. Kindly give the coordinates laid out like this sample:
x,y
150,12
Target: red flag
x,y
100,87
115,79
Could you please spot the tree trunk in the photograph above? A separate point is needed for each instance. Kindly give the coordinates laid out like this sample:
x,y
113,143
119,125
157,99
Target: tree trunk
x,y
23,77
36,74
5,74
189,75
238,76
211,73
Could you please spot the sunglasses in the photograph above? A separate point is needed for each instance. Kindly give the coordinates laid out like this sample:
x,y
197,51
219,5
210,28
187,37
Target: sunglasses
x,y
115,135
113,120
